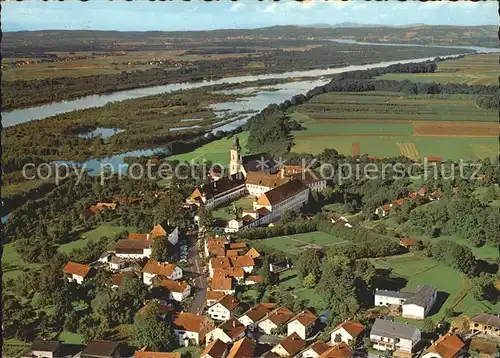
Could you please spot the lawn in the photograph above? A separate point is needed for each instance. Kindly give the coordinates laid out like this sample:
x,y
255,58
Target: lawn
x,y
290,280
216,152
294,243
12,263
195,351
245,202
70,338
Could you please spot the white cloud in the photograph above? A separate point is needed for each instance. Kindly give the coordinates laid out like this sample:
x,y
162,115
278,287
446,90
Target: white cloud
x,y
271,7
237,7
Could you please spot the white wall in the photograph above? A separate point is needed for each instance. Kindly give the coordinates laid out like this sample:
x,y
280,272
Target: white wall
x,y
413,311
219,312
381,300
267,326
297,327
345,336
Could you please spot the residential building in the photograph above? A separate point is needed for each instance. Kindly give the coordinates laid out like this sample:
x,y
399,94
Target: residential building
x,y
253,280
447,346
251,317
253,253
222,284
102,349
400,338
414,305
215,349
244,348
75,272
302,324
133,249
275,320
41,348
244,262
384,210
138,236
213,296
223,309
116,280
236,273
348,332
315,350
228,332
177,291
290,346
218,263
238,246
148,354
190,328
161,270
116,263
407,243
340,220
215,247
486,324
341,350
160,232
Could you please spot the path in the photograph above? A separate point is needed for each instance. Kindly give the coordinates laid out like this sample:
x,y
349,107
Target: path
x,y
200,282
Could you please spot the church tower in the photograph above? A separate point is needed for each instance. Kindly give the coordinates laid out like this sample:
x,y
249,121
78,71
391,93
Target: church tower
x,y
235,160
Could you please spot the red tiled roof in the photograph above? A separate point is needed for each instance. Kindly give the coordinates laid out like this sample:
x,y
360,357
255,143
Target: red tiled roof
x,y
221,284
341,350
233,328
215,349
447,346
238,245
253,253
236,272
229,302
230,253
406,242
137,236
214,295
293,344
158,231
242,261
192,322
280,316
255,278
76,269
306,318
219,263
319,347
281,193
244,348
159,268
173,286
259,311
354,328
118,279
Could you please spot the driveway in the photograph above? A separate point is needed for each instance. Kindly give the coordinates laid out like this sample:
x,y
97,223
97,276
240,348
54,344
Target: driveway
x,y
200,280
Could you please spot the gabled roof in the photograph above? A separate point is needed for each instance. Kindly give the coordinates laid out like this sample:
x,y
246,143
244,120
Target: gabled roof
x,y
447,346
293,344
158,231
101,349
266,180
238,245
43,345
215,349
137,236
231,253
145,354
341,350
221,284
306,318
214,295
253,253
422,296
486,319
173,286
159,268
118,278
229,302
132,246
244,348
407,242
280,316
389,329
258,311
191,322
395,294
319,347
236,272
255,278
354,328
220,186
242,261
76,269
233,328
281,193
219,263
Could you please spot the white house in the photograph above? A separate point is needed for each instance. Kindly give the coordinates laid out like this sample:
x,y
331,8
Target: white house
x,y
41,348
447,346
228,332
347,332
251,317
414,305
178,291
163,270
290,346
116,263
315,350
190,328
302,324
397,337
133,249
75,272
275,320
222,310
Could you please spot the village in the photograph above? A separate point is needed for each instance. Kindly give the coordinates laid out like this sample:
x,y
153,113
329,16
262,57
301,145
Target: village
x,y
202,288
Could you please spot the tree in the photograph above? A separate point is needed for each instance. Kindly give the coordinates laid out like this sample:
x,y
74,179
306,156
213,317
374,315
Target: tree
x,y
162,250
428,326
289,216
310,263
483,288
309,281
206,219
151,331
448,313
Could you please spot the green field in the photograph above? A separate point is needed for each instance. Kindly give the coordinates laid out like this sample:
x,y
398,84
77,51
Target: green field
x,y
245,202
12,264
451,285
473,70
70,338
217,151
290,280
294,243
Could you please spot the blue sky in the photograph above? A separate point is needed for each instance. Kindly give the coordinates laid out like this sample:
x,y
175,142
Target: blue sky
x,y
141,15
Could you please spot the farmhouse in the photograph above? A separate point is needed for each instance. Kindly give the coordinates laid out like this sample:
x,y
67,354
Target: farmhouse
x,y
315,350
407,243
251,317
228,332
290,346
244,348
275,319
447,346
101,349
348,332
215,349
160,232
414,305
133,249
222,284
485,324
41,348
76,272
162,270
191,328
223,309
384,210
397,337
244,262
177,291
341,350
302,324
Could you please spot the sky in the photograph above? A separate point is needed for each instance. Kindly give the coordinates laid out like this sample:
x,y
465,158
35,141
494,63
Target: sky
x,y
177,15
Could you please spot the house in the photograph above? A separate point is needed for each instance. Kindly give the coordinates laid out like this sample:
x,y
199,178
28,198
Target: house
x,y
447,346
486,324
41,348
275,320
190,328
223,309
116,280
279,266
147,354
215,349
238,246
215,247
231,252
244,348
414,305
213,296
398,337
407,243
163,309
341,350
253,253
348,332
232,272
133,249
222,284
177,291
253,280
228,332
218,263
116,263
290,346
162,270
138,236
302,324
160,232
102,349
75,272
251,317
384,210
315,350
245,262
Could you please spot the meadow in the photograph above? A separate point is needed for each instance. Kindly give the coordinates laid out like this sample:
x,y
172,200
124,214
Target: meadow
x,y
384,124
293,244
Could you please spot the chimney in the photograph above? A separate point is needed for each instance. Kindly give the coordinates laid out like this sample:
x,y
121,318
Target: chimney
x,y
282,172
234,323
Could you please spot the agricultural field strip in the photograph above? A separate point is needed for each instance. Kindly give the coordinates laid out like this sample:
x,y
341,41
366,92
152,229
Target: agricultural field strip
x,y
303,243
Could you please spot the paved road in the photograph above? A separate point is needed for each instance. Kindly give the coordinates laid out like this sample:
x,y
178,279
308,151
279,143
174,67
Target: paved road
x,y
200,282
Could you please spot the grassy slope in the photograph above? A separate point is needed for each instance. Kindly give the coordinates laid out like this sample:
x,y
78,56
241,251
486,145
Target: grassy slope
x,y
294,243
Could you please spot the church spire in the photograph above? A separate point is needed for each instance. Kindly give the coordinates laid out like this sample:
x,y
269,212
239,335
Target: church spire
x,y
236,143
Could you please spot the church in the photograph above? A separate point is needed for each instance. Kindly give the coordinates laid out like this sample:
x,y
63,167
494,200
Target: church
x,y
275,189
